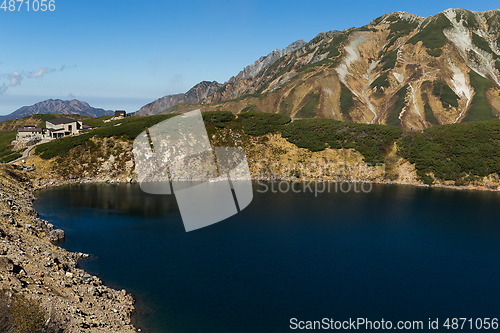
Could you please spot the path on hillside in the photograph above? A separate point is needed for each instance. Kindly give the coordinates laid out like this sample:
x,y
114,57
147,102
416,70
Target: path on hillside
x,y
27,152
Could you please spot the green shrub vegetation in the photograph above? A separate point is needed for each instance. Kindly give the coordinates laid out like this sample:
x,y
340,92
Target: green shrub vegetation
x,y
473,56
372,141
401,27
20,314
427,179
381,81
392,18
429,115
389,60
317,39
481,43
333,50
218,116
448,96
393,118
392,40
96,122
445,93
6,137
456,151
378,20
366,28
469,20
260,123
249,108
286,105
398,29
11,157
493,20
434,53
285,69
432,35
346,99
61,147
309,109
479,109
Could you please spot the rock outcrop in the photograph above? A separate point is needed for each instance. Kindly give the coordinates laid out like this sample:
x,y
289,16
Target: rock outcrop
x,y
263,62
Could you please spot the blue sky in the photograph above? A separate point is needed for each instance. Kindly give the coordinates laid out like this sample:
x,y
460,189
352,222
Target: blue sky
x,y
124,54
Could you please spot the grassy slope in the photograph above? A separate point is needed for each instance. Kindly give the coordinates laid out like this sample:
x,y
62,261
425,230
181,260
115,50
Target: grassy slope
x,y
309,109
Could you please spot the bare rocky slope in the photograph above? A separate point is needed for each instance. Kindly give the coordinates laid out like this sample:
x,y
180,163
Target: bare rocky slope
x,y
400,69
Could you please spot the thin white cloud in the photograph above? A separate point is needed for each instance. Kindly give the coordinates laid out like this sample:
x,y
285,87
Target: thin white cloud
x,y
15,78
40,72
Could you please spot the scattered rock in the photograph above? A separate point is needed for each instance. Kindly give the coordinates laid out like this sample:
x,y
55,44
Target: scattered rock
x,y
6,264
56,235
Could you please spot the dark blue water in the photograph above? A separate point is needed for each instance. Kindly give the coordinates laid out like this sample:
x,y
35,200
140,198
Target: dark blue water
x,y
398,253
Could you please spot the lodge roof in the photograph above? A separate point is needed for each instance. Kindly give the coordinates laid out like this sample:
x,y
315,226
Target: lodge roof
x,y
63,120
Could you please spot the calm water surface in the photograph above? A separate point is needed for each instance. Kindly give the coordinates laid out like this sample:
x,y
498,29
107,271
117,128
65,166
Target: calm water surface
x,y
398,253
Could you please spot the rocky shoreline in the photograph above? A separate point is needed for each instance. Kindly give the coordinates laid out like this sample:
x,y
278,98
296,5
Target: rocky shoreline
x,y
32,265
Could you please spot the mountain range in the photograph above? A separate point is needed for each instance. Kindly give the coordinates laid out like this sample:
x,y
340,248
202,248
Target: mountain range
x,y
59,107
400,69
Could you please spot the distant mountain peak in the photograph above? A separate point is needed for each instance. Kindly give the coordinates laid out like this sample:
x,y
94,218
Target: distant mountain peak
x,y
193,96
57,106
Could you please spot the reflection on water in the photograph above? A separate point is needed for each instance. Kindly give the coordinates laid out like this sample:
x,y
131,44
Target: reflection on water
x,y
398,252
124,198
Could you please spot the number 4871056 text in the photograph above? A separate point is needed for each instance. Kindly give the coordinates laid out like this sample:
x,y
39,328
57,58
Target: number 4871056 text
x,y
27,5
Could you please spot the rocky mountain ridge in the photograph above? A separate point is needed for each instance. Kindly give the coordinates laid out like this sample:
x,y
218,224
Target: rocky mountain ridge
x,y
263,62
400,69
193,96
